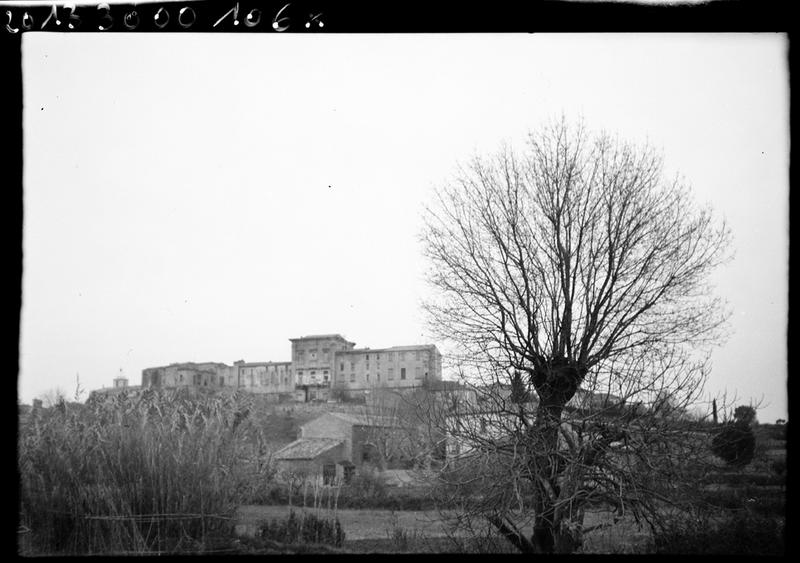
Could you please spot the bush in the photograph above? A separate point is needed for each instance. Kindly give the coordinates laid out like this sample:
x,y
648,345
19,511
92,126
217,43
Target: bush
x,y
737,532
735,444
304,529
159,471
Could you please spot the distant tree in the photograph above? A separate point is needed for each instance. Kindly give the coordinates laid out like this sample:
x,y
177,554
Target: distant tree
x,y
519,389
735,443
53,397
577,265
745,414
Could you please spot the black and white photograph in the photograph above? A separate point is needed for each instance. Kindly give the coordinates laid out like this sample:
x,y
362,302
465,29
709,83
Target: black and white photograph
x,y
325,293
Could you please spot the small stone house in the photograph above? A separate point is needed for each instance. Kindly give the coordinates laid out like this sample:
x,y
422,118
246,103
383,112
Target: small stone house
x,y
335,445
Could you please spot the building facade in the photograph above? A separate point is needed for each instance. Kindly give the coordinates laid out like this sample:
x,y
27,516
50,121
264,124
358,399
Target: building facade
x,y
319,363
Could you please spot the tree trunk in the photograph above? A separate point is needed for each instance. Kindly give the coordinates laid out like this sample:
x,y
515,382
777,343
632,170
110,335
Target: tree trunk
x,y
555,387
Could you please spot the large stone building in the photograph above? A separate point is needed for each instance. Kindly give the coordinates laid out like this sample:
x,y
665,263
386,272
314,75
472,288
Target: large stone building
x,y
319,362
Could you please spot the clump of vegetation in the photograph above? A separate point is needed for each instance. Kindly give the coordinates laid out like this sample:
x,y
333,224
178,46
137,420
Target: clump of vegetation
x,y
304,529
735,443
736,532
155,472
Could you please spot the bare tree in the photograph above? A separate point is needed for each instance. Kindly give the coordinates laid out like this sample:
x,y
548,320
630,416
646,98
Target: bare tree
x,y
576,265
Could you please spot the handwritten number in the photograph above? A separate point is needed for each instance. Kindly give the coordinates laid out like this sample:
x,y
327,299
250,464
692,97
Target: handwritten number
x,y
314,18
186,17
73,19
105,18
8,23
131,20
277,22
253,18
234,11
52,15
27,21
161,18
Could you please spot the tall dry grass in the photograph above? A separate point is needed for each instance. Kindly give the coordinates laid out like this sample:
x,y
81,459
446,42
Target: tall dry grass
x,y
159,472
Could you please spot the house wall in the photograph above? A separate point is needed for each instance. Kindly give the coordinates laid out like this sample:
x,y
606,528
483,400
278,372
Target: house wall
x,y
330,426
313,358
263,377
406,366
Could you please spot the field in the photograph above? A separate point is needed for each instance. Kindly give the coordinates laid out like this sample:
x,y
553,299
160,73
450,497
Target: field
x,y
175,474
383,530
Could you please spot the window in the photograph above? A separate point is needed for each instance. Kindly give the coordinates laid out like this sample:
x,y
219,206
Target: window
x,y
181,378
416,355
367,377
402,356
378,376
341,366
367,357
417,373
391,373
352,366
352,377
378,357
325,372
349,473
402,373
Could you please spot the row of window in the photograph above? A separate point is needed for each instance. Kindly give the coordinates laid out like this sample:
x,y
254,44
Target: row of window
x,y
390,374
300,355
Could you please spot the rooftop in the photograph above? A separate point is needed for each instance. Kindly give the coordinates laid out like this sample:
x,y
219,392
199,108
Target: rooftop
x,y
318,336
307,448
390,349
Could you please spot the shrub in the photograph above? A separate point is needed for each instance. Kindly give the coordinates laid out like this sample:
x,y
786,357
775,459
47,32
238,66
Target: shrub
x,y
736,532
735,444
159,471
303,529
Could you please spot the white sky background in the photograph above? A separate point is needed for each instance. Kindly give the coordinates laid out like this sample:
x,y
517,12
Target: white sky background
x,y
207,197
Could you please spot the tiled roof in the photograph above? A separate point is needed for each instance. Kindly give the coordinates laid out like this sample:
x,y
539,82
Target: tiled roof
x,y
307,448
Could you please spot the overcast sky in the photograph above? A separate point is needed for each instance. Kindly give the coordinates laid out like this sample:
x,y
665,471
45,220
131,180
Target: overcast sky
x,y
207,197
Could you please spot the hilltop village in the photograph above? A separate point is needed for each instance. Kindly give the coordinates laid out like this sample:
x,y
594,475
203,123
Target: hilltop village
x,y
320,366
